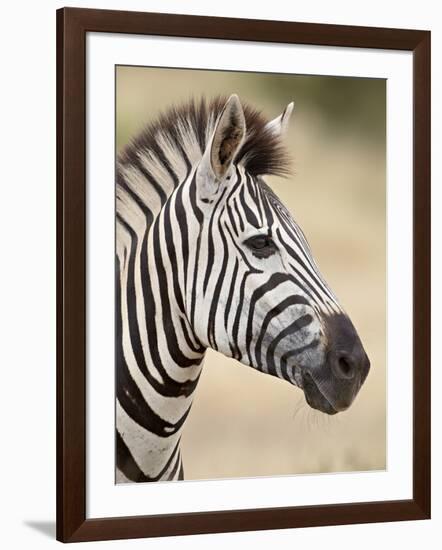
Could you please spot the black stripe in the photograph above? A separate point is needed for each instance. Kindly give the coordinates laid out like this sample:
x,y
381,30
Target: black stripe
x,y
268,210
126,462
181,216
232,220
129,467
181,474
241,223
296,326
210,243
175,467
259,201
200,217
185,328
293,353
232,288
217,290
174,264
236,352
291,300
248,212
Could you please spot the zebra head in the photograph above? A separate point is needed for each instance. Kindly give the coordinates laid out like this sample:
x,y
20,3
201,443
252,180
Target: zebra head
x,y
257,294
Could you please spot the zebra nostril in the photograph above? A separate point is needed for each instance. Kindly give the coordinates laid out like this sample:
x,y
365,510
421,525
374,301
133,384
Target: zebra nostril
x,y
343,365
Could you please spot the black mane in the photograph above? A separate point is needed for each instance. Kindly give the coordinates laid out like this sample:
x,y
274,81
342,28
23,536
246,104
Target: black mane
x,y
262,152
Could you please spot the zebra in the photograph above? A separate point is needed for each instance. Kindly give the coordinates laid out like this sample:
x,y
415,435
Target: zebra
x,y
207,256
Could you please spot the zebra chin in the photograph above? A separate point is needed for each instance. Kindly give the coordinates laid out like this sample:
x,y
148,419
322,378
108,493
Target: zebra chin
x,y
331,394
314,397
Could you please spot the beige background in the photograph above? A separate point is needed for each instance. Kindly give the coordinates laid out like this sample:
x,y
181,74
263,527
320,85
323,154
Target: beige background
x,y
244,423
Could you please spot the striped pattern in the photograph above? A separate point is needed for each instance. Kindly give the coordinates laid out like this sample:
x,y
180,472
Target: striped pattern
x,y
203,264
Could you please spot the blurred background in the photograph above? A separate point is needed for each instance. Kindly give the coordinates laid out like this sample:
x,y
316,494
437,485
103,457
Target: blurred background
x,y
243,423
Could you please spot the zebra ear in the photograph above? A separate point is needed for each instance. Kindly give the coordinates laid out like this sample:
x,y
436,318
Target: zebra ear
x,y
279,124
225,142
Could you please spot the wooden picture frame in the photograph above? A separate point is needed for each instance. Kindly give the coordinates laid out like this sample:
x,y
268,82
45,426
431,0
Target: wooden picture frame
x,y
72,26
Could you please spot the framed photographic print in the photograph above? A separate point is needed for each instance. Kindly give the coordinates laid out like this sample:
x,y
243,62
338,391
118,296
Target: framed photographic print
x,y
243,274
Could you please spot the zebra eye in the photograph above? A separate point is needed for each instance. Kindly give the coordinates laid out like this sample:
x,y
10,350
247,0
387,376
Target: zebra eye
x,y
262,246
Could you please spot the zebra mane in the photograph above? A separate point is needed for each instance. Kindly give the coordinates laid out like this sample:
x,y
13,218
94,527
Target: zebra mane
x,y
179,136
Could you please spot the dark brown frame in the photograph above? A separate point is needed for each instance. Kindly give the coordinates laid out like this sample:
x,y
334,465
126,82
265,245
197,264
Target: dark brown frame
x,y
72,26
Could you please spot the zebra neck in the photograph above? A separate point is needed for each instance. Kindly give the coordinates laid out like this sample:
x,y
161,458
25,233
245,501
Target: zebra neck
x,y
158,357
